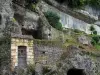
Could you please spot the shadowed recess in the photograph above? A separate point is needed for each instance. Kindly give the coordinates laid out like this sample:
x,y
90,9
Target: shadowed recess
x,y
75,71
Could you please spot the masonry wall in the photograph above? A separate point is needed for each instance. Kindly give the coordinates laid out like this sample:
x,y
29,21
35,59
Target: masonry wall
x,y
47,53
15,42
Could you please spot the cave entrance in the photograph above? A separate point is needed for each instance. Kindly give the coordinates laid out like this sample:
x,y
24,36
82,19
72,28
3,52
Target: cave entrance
x,y
34,33
75,71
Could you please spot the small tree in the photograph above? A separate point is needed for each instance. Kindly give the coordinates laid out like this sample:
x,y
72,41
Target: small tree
x,y
95,32
53,19
92,29
96,39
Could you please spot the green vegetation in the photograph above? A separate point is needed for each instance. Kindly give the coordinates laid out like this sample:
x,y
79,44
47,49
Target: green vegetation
x,y
80,3
92,29
95,32
94,3
31,69
13,20
48,71
48,42
95,38
53,19
75,3
31,4
97,47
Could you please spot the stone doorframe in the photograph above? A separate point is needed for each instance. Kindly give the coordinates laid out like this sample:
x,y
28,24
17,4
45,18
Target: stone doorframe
x,y
15,42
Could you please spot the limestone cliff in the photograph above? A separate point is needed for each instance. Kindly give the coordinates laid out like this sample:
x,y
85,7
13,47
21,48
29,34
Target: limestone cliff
x,y
73,47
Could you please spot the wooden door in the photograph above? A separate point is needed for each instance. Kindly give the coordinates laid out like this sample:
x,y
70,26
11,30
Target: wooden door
x,y
22,53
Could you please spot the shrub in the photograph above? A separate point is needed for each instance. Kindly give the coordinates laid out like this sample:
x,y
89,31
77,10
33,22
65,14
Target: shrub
x,y
31,69
46,70
73,3
94,3
95,40
95,32
53,19
80,3
92,28
31,4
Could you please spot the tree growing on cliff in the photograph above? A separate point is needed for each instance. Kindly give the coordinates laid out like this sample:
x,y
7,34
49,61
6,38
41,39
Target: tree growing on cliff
x,y
92,29
53,19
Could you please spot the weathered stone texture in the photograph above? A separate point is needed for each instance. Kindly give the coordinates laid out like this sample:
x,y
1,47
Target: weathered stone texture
x,y
46,54
76,58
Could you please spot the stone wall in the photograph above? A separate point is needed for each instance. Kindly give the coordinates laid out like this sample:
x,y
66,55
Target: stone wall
x,y
15,42
47,52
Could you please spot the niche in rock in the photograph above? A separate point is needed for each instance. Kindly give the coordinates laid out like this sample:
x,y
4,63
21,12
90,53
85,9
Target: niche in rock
x,y
34,33
75,71
19,2
60,1
19,18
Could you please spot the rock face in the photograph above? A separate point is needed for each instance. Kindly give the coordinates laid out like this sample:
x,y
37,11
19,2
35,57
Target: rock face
x,y
75,58
25,22
69,21
6,14
26,19
47,54
84,40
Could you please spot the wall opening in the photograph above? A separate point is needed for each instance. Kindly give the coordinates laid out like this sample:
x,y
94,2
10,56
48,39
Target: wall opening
x,y
22,55
75,71
34,33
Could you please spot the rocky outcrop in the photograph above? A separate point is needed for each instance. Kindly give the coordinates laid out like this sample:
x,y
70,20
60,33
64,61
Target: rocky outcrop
x,y
46,30
70,21
26,20
84,40
6,14
76,58
76,14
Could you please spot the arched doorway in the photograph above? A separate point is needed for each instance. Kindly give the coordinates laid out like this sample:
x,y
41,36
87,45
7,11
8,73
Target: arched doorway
x,y
75,71
22,55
